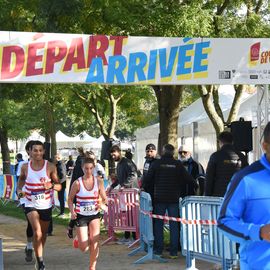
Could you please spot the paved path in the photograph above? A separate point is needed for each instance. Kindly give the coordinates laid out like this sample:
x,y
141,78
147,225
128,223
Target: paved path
x,y
59,254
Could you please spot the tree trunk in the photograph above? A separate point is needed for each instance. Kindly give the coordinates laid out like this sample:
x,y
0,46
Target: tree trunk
x,y
112,125
5,150
169,100
239,90
210,99
47,137
49,114
53,144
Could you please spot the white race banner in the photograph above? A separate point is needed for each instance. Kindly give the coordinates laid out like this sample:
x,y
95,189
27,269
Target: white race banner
x,y
71,58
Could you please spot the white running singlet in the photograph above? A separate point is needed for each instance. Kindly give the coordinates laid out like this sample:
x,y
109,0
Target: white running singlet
x,y
87,200
36,195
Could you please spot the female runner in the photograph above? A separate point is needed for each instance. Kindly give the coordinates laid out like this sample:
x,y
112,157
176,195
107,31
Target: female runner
x,y
87,189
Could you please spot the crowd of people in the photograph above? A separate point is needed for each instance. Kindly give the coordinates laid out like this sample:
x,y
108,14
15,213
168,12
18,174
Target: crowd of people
x,y
164,177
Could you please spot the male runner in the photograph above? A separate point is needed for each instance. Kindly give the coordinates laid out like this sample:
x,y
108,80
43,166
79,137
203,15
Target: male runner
x,y
29,232
39,178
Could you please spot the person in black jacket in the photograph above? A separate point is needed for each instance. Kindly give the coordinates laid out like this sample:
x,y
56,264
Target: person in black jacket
x,y
194,168
77,171
150,157
126,170
61,173
222,165
69,165
126,177
169,178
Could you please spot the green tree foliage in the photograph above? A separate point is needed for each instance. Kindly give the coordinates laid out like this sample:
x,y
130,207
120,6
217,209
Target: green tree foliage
x,y
14,123
117,109
196,18
185,18
76,17
238,19
157,18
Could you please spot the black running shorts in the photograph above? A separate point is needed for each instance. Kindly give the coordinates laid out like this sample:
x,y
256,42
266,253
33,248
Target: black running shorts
x,y
83,221
44,214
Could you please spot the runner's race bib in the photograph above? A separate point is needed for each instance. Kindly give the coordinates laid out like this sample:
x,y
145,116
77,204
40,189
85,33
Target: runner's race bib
x,y
38,197
87,208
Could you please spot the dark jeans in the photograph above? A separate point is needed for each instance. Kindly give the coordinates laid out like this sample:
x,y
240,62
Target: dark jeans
x,y
61,198
50,228
127,235
173,211
29,230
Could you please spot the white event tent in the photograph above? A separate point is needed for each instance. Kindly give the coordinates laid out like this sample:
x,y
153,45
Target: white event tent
x,y
64,141
195,128
96,145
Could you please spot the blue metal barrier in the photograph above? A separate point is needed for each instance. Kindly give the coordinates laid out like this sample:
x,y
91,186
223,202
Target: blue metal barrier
x,y
12,169
8,186
1,255
204,242
1,186
146,231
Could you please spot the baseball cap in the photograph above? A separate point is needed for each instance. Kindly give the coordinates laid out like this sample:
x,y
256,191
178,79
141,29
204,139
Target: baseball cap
x,y
150,146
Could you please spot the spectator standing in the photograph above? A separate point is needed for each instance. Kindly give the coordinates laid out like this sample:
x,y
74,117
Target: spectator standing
x,y
129,156
169,178
150,157
193,167
222,165
99,169
69,165
126,177
19,159
245,214
126,171
61,173
77,171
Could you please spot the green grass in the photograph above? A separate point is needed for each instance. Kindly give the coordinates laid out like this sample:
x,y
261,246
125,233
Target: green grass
x,y
12,210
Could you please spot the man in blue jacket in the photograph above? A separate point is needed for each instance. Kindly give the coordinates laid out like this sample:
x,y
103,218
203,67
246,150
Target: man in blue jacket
x,y
245,213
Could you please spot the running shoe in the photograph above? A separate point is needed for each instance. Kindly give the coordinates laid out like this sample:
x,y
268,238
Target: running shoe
x,y
173,257
40,266
70,232
75,243
28,254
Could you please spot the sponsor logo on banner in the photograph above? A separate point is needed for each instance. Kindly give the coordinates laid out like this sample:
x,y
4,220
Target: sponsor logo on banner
x,y
253,77
257,55
254,54
224,74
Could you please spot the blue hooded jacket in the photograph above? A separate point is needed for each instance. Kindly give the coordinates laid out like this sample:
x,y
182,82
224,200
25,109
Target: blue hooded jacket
x,y
245,209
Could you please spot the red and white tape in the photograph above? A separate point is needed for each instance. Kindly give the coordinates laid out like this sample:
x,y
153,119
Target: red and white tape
x,y
181,220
